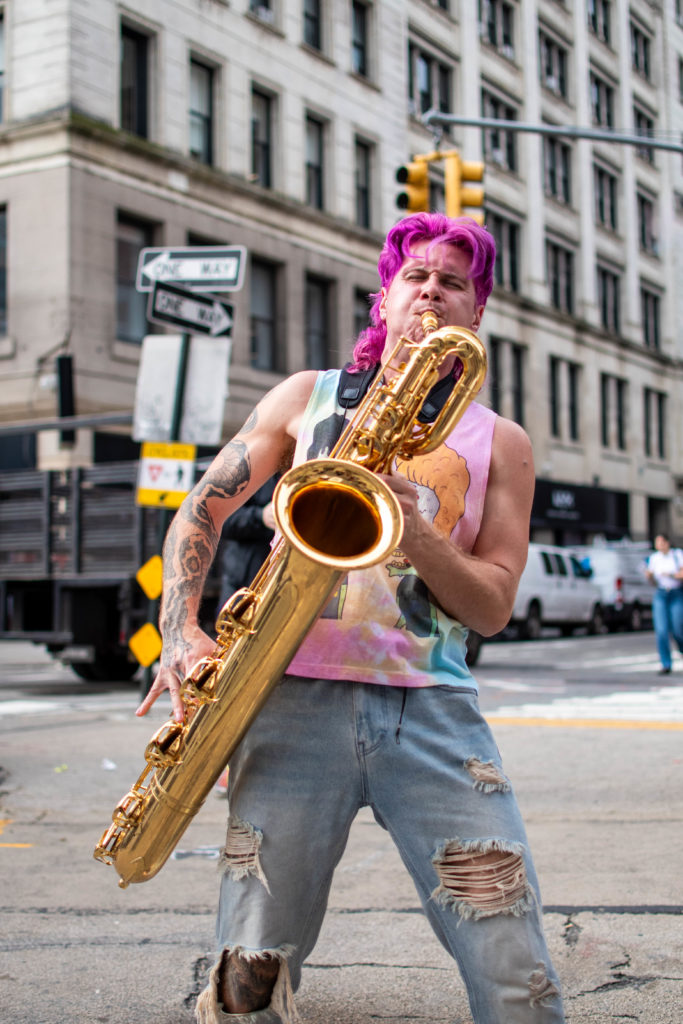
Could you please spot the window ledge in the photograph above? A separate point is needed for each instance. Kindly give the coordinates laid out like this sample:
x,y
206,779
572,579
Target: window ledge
x,y
262,23
364,80
311,50
8,348
126,351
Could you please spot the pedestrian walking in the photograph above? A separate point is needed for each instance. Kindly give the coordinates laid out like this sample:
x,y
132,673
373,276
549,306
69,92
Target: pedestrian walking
x,y
665,570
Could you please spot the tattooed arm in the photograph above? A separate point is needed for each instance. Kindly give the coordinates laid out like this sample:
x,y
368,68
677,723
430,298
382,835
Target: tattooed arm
x,y
255,453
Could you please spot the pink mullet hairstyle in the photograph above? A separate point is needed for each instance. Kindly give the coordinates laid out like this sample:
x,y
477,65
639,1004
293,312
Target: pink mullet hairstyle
x,y
462,232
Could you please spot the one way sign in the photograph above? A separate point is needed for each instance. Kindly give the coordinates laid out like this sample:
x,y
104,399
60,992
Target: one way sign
x,y
195,314
201,268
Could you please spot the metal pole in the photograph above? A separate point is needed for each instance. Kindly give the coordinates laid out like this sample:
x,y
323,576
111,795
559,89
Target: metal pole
x,y
433,117
164,517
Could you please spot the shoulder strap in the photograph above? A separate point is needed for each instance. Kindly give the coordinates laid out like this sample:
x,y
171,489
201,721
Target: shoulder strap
x,y
353,386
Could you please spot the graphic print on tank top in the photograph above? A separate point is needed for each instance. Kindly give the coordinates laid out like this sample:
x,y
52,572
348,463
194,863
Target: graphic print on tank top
x,y
381,624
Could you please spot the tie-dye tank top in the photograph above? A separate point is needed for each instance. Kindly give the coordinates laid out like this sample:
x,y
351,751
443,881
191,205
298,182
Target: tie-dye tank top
x,y
381,625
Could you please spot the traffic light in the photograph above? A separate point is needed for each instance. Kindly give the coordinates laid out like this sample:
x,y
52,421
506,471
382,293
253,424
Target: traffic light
x,y
415,177
459,196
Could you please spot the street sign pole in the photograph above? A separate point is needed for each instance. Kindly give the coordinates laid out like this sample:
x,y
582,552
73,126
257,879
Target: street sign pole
x,y
173,276
154,604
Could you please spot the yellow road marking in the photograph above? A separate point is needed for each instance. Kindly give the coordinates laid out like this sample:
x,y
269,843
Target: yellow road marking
x,y
583,723
12,846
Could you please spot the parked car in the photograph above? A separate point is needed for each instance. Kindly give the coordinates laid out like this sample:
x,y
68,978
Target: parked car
x,y
555,590
618,569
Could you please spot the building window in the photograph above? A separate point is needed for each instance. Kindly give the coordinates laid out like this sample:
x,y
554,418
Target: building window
x,y
649,314
563,398
134,81
261,137
553,65
315,139
360,17
262,9
640,51
429,81
2,65
605,195
644,125
557,168
602,102
361,311
613,411
599,19
560,270
131,305
3,271
506,378
313,29
573,400
265,352
506,235
363,175
500,146
609,293
646,224
318,292
201,112
654,423
496,25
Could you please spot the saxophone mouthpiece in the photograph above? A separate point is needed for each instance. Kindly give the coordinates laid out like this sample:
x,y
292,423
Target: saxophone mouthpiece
x,y
429,321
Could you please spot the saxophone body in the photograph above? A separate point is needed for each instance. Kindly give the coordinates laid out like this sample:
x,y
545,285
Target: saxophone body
x,y
334,515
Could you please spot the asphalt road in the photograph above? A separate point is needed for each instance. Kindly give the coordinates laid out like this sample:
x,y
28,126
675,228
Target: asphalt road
x,y
590,735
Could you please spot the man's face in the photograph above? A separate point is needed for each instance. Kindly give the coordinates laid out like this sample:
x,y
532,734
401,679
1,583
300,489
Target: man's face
x,y
662,544
436,280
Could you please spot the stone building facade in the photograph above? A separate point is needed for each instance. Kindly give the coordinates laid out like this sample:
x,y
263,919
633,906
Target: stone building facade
x,y
278,125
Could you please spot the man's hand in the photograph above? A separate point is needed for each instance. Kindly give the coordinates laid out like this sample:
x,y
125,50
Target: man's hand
x,y
175,666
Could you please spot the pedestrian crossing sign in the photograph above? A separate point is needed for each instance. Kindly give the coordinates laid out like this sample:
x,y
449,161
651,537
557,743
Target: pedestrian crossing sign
x,y
166,473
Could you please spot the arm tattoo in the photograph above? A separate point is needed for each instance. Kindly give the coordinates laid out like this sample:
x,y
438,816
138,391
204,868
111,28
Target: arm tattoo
x,y
187,558
250,423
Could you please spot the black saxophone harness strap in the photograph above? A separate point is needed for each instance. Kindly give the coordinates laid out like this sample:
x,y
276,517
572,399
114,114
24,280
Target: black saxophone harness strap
x,y
353,386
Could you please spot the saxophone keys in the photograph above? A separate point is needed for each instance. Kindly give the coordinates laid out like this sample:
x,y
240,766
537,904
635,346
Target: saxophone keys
x,y
128,811
165,747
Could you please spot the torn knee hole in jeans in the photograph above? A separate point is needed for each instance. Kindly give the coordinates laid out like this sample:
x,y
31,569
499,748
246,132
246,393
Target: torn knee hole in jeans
x,y
210,1007
480,878
487,776
541,988
241,855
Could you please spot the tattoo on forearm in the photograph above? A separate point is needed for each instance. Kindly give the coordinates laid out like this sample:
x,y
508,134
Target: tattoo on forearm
x,y
187,558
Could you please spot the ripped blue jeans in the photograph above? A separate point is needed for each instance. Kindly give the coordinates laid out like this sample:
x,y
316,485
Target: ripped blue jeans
x,y
426,762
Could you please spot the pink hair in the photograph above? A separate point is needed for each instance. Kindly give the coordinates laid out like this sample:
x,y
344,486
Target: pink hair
x,y
463,232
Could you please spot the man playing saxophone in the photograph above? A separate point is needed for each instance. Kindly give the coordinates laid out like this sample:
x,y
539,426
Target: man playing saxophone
x,y
378,707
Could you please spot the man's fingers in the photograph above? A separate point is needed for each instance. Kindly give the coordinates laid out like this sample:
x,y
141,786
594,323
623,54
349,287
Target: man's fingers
x,y
164,681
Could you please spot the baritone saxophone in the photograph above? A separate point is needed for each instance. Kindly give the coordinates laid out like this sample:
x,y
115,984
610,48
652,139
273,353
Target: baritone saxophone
x,y
334,516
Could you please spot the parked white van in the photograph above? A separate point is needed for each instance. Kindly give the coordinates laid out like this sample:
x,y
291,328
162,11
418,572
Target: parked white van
x,y
619,571
554,590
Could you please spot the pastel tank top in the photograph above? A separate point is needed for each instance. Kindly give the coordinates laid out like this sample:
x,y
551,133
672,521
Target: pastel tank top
x,y
381,625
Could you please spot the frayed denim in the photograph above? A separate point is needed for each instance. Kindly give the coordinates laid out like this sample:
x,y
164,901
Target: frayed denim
x,y
426,762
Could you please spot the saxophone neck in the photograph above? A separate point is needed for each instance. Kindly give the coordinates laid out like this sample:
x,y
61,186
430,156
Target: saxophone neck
x,y
429,321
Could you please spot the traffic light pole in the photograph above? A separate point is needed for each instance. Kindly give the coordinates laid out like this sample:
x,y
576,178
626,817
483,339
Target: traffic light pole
x,y
433,118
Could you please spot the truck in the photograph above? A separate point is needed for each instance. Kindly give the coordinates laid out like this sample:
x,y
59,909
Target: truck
x,y
71,543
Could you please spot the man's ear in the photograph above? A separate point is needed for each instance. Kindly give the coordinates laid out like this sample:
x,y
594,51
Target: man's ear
x,y
478,314
382,305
